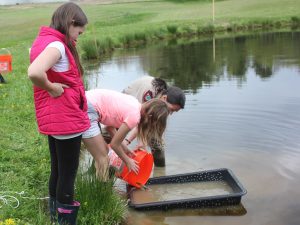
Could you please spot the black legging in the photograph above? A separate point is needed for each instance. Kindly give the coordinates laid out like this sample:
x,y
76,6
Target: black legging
x,y
64,164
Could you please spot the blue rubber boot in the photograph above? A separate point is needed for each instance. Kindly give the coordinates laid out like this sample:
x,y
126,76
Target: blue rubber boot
x,y
52,209
67,214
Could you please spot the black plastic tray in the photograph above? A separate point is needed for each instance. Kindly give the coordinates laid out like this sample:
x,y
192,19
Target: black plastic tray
x,y
225,175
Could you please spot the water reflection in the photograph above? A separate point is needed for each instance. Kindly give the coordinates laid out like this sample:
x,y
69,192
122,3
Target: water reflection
x,y
192,65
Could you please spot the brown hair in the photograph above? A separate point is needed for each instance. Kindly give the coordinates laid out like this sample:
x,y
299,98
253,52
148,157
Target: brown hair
x,y
159,85
64,16
153,122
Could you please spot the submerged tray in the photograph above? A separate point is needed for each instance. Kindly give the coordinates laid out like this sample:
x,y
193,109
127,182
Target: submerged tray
x,y
203,177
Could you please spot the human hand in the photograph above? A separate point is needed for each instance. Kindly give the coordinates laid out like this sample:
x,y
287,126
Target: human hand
x,y
57,89
132,165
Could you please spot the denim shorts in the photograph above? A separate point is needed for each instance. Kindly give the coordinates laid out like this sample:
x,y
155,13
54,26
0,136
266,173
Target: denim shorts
x,y
94,117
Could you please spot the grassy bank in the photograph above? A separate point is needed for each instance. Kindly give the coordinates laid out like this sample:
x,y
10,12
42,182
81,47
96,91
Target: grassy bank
x,y
24,159
122,24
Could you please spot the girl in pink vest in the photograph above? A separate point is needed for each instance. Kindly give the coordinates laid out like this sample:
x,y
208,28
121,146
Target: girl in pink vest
x,y
60,104
121,113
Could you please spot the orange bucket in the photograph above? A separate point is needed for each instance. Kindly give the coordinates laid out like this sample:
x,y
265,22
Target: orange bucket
x,y
5,61
145,163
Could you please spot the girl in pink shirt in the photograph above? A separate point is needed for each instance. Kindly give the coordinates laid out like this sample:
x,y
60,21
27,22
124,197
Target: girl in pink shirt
x,y
120,113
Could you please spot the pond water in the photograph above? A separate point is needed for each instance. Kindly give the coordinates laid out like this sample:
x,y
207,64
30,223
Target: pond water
x,y
177,191
242,112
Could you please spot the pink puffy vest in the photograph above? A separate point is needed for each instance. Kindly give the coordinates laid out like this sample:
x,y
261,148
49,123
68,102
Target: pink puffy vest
x,y
66,114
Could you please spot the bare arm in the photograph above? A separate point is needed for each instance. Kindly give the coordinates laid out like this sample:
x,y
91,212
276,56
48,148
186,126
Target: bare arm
x,y
116,145
38,68
132,135
112,131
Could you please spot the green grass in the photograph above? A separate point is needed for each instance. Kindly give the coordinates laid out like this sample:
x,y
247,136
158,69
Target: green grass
x,y
100,203
24,158
20,24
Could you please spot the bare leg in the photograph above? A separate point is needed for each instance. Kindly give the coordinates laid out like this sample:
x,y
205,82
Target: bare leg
x,y
99,150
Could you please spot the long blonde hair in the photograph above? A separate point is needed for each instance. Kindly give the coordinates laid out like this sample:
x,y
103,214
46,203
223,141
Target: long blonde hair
x,y
153,122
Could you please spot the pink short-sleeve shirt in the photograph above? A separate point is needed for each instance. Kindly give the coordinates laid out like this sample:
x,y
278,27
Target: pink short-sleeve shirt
x,y
115,108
